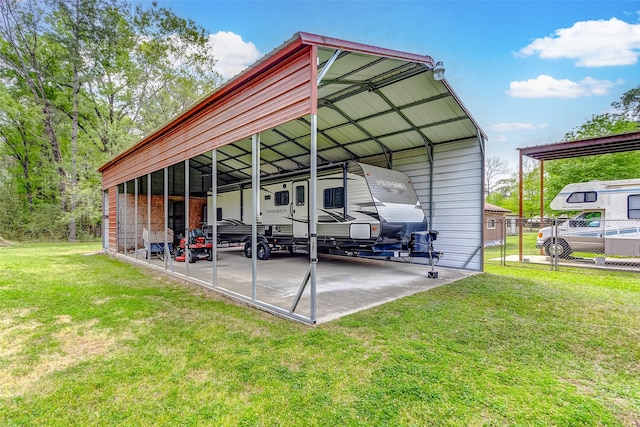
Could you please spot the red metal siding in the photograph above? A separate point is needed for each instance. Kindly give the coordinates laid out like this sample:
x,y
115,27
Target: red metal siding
x,y
280,94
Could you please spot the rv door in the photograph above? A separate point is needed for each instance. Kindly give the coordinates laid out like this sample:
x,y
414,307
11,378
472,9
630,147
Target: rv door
x,y
300,209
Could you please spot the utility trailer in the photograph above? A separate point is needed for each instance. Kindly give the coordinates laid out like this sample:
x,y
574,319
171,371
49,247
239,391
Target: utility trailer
x,y
153,242
362,210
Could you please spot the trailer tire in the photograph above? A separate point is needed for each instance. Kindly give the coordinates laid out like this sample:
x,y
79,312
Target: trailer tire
x,y
263,251
560,248
262,247
191,256
210,255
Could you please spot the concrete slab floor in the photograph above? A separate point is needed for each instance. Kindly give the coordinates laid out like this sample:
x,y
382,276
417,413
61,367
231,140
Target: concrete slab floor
x,y
344,285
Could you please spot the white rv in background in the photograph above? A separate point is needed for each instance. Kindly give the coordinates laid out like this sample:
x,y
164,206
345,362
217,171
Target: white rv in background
x,y
361,210
609,221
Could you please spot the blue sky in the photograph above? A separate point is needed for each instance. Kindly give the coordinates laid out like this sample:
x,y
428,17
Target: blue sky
x,y
528,71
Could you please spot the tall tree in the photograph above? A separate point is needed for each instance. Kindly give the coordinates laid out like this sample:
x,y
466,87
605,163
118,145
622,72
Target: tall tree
x,y
100,74
28,57
494,167
602,125
629,104
73,25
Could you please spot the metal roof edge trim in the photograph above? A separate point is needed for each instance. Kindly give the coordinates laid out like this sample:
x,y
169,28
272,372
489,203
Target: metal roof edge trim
x,y
546,148
330,42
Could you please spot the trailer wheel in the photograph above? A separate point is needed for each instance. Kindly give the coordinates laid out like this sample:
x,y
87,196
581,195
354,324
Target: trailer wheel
x,y
263,250
560,248
191,256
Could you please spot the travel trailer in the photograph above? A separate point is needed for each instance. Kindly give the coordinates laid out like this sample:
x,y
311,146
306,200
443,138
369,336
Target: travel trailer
x,y
609,221
361,210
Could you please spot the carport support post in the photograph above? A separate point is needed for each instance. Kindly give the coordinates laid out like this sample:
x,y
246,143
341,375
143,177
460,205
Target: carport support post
x,y
255,191
149,217
313,217
165,183
135,220
124,251
186,218
214,215
520,187
541,192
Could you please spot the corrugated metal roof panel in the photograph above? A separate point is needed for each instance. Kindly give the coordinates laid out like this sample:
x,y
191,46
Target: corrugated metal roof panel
x,y
335,155
286,164
365,149
385,124
348,68
418,88
346,133
328,118
404,141
363,105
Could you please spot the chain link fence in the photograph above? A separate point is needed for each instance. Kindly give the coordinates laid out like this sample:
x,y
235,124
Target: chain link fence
x,y
585,241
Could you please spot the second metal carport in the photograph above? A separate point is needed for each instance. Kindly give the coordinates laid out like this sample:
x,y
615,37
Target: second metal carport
x,y
313,102
608,144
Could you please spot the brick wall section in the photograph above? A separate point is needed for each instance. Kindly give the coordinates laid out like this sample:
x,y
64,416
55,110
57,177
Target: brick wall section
x,y
196,212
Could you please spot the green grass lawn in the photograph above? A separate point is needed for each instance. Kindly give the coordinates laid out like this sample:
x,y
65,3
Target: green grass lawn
x,y
88,340
511,248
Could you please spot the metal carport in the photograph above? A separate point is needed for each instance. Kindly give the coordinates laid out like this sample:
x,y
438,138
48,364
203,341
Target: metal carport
x,y
608,144
314,101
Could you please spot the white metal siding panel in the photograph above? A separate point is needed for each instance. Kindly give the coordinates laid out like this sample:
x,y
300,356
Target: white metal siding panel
x,y
415,163
457,198
458,203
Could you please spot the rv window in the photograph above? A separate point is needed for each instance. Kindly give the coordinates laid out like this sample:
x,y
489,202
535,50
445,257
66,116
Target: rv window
x,y
634,206
583,197
282,198
334,198
300,195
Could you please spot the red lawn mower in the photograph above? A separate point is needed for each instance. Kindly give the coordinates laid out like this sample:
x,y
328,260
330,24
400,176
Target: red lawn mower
x,y
199,247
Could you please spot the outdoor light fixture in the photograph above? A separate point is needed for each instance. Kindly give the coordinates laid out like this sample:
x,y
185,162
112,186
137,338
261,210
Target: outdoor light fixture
x,y
438,71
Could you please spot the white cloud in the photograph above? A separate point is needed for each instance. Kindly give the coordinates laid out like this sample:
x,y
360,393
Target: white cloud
x,y
505,127
232,53
591,43
547,87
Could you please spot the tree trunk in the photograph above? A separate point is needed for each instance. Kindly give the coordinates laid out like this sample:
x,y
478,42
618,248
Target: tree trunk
x,y
74,144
